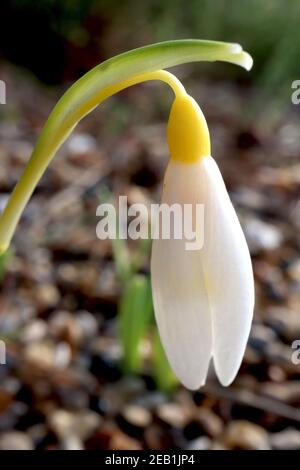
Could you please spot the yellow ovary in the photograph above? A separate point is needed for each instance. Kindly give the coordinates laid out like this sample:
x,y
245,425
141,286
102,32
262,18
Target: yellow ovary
x,y
188,134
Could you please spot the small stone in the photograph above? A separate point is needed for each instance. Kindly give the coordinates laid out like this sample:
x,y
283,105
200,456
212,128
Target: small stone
x,y
3,201
285,322
63,325
35,330
62,423
279,354
294,270
251,198
211,424
72,443
158,438
63,355
40,353
287,392
67,275
74,398
81,424
261,235
261,336
276,374
216,445
246,435
288,439
98,404
5,400
134,419
200,443
120,441
88,281
137,415
81,144
172,414
272,280
15,440
104,367
37,432
132,388
88,324
47,296
151,400
86,422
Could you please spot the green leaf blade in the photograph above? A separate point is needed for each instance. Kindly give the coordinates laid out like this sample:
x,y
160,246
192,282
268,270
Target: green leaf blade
x,y
135,315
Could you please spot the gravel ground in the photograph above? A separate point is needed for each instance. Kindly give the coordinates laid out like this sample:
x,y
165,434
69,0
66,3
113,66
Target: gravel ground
x,y
62,386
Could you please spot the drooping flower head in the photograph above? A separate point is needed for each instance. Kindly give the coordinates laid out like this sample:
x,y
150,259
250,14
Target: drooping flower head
x,y
203,299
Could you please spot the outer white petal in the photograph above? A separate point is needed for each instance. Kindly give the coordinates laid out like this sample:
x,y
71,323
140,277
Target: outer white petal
x,y
228,272
179,291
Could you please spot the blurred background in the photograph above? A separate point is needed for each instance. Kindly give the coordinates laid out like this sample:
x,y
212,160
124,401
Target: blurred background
x,y
84,365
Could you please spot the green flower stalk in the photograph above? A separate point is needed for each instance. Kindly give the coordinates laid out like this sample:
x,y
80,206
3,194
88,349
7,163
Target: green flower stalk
x,y
203,300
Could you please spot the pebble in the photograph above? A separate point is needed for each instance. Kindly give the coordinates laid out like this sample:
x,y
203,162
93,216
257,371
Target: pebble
x,y
15,440
287,392
134,419
63,325
294,271
46,295
62,423
81,424
261,235
5,400
63,355
72,443
261,336
81,143
40,353
201,443
276,374
131,387
151,400
110,437
279,353
288,439
86,422
157,438
37,432
74,398
271,280
121,441
246,435
3,201
67,275
211,424
285,322
173,415
35,330
88,324
105,368
47,354
250,198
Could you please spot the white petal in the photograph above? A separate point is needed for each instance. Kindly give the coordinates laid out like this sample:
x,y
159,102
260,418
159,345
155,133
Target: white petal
x,y
179,292
228,273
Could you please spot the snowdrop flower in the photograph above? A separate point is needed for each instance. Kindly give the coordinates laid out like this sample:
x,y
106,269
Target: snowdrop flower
x,y
203,299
